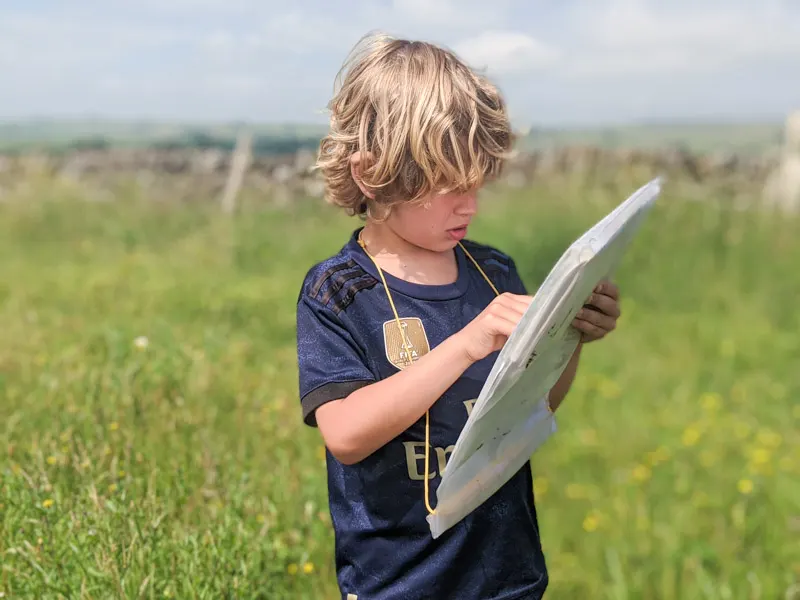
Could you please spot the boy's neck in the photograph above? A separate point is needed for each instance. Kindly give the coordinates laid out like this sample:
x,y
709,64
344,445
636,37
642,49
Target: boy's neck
x,y
406,261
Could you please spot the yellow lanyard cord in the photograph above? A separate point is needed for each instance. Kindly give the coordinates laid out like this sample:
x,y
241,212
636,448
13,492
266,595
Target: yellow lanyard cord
x,y
408,354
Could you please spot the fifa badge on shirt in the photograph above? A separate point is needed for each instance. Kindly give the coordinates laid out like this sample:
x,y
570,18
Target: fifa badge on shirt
x,y
406,343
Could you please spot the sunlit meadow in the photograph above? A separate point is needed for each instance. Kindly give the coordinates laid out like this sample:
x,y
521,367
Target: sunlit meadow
x,y
151,444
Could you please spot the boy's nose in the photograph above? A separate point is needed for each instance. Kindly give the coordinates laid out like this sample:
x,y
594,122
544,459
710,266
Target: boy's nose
x,y
468,204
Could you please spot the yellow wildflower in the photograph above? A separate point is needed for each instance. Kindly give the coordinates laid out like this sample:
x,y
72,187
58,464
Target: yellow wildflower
x,y
591,522
540,486
112,488
51,460
114,426
761,456
641,473
745,486
308,568
711,401
48,503
691,436
292,569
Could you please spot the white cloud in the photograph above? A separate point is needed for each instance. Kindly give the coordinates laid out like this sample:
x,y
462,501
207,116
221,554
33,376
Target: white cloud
x,y
36,42
506,52
628,37
448,15
277,60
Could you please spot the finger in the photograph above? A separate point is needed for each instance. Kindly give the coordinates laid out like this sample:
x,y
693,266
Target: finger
x,y
498,326
502,314
605,304
515,303
607,288
591,330
499,342
517,300
508,307
597,318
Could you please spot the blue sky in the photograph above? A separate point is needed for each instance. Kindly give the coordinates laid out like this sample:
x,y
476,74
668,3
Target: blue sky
x,y
557,61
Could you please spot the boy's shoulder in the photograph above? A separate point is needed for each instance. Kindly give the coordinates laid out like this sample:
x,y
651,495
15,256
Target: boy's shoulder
x,y
334,281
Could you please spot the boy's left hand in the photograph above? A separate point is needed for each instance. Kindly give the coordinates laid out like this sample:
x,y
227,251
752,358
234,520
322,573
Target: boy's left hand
x,y
599,315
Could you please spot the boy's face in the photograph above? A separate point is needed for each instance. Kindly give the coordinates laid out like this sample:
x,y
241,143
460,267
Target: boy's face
x,y
438,223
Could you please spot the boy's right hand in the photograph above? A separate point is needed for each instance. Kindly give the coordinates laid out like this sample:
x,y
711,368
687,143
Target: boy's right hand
x,y
490,330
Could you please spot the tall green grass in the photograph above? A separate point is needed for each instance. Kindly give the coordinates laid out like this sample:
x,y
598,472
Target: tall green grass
x,y
151,444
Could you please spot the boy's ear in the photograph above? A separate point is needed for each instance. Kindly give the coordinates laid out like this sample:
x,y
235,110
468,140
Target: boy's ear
x,y
356,167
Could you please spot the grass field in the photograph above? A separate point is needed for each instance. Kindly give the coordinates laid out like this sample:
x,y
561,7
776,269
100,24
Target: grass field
x,y
151,444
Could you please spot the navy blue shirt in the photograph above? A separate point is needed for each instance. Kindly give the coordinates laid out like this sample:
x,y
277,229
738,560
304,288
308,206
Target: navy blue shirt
x,y
347,338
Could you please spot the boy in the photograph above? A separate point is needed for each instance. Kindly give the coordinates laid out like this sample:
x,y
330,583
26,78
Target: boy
x,y
398,331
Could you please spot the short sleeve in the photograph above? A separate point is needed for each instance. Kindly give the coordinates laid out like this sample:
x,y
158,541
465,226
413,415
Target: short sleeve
x,y
330,362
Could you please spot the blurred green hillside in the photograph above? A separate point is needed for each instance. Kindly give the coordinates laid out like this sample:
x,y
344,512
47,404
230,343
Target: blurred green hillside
x,y
58,135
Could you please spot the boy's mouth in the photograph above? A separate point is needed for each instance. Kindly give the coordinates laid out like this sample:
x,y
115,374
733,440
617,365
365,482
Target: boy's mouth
x,y
458,234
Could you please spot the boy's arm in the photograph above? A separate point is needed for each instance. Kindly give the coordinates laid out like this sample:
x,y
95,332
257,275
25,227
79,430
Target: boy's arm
x,y
356,426
561,388
596,320
358,415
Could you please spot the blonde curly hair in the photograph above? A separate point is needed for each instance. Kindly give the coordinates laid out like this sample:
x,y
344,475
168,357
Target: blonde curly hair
x,y
426,122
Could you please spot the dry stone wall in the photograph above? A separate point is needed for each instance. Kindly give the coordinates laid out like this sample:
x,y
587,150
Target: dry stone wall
x,y
198,175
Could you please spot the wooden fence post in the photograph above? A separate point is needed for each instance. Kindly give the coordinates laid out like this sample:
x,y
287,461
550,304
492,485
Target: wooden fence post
x,y
240,162
782,189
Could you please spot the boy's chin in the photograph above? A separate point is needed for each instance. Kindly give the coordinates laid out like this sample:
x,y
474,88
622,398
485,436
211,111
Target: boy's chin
x,y
446,246
440,243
